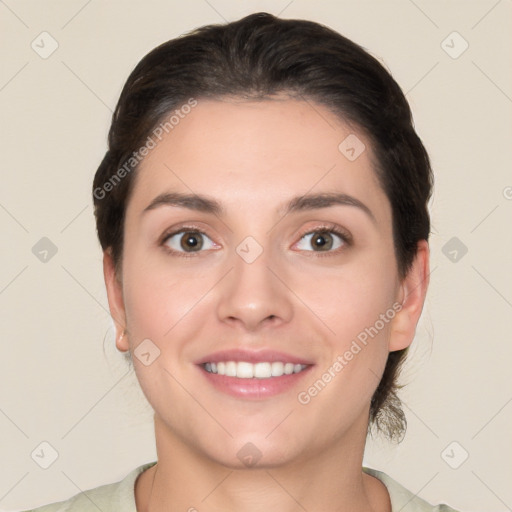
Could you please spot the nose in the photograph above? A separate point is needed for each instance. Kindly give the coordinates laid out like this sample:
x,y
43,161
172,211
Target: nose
x,y
253,296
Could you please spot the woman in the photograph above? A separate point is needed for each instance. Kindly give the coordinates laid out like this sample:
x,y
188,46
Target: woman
x,y
262,209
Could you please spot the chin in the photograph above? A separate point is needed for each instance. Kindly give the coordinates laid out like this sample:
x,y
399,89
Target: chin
x,y
252,455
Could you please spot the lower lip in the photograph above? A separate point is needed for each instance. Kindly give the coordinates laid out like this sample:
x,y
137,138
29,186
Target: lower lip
x,y
254,389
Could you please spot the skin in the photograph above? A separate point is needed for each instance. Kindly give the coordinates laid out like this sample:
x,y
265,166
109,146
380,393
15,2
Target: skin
x,y
253,157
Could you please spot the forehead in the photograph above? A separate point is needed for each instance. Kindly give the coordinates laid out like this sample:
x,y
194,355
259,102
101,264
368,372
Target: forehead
x,y
259,153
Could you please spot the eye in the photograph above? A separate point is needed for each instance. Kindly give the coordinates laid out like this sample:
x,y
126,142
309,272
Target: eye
x,y
187,240
323,240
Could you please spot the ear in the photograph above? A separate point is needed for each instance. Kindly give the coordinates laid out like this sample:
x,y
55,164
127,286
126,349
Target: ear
x,y
115,300
412,296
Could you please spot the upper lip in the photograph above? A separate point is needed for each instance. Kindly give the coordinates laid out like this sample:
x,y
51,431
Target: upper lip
x,y
252,356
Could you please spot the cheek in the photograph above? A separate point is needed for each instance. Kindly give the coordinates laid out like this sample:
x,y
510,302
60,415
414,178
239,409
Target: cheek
x,y
358,310
351,299
161,296
356,304
159,303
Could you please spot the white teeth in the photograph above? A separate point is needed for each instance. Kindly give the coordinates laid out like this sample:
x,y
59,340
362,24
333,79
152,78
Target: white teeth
x,y
288,368
263,370
245,370
231,369
277,369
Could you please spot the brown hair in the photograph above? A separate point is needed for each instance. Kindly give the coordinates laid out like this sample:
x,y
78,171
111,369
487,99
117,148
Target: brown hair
x,y
254,58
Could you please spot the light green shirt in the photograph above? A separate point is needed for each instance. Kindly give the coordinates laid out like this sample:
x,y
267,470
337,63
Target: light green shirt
x,y
120,497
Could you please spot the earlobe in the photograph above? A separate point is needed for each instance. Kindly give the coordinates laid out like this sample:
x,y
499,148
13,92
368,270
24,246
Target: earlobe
x,y
115,300
412,294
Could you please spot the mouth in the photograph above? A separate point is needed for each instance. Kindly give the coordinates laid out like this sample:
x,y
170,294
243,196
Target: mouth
x,y
253,375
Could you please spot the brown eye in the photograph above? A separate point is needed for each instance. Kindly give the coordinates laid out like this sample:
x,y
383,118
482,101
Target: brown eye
x,y
321,241
188,241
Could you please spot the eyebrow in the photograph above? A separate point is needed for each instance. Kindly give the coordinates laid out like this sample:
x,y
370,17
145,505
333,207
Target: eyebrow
x,y
306,202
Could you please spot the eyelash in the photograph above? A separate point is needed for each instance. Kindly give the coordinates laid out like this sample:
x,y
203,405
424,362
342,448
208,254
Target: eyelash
x,y
345,236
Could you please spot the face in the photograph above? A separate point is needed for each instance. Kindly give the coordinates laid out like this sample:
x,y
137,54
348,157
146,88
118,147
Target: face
x,y
255,247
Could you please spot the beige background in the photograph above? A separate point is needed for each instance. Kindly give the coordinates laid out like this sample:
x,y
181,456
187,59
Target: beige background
x,y
57,383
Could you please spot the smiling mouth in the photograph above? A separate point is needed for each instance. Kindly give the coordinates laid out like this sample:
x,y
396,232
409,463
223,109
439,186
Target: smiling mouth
x,y
246,370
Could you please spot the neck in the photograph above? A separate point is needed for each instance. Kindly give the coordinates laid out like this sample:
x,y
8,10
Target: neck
x,y
185,480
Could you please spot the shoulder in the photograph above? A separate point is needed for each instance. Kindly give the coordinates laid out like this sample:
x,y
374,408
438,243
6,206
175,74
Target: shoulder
x,y
111,497
403,500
